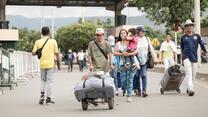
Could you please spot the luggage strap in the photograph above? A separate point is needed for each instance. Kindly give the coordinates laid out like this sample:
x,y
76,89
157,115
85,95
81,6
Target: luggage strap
x,y
103,82
84,84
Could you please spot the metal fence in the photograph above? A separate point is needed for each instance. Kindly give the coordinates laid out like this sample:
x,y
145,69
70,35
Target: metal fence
x,y
16,66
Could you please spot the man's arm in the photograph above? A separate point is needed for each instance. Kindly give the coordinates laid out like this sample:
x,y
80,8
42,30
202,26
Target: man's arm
x,y
57,57
90,58
110,58
203,46
56,51
182,45
34,49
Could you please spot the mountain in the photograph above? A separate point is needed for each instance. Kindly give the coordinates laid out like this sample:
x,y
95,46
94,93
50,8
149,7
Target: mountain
x,y
35,23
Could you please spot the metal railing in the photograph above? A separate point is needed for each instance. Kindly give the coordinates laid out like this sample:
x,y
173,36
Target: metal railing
x,y
16,66
24,63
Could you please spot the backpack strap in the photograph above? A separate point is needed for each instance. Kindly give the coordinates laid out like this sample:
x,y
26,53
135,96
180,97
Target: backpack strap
x,y
101,50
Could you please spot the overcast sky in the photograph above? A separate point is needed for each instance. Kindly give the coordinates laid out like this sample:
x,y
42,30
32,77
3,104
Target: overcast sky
x,y
42,11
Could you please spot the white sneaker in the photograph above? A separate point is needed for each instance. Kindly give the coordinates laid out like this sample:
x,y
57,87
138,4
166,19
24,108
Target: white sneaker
x,y
129,99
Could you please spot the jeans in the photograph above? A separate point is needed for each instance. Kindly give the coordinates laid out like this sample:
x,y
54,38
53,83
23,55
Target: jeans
x,y
81,65
130,59
119,80
70,65
141,73
127,77
190,70
46,81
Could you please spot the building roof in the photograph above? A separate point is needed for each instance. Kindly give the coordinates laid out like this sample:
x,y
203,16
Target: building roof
x,y
109,4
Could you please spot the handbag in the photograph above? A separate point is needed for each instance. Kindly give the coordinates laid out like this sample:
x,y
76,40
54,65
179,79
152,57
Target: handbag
x,y
150,60
39,51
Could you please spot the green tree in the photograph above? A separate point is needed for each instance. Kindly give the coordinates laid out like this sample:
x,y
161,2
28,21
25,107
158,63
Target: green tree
x,y
76,36
168,11
27,39
107,23
204,22
155,34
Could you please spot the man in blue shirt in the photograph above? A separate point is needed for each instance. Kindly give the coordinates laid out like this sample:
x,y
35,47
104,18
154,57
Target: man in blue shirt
x,y
189,46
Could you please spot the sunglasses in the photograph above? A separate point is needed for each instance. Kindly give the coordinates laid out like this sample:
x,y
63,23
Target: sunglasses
x,y
189,25
98,35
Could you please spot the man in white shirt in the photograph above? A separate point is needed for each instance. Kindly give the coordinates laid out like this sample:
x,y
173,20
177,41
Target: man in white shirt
x,y
80,56
168,50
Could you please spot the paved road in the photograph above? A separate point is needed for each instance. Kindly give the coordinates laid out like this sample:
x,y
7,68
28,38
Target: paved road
x,y
23,101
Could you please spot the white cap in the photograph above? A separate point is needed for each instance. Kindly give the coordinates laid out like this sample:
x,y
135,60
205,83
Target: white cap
x,y
99,31
111,39
189,22
70,50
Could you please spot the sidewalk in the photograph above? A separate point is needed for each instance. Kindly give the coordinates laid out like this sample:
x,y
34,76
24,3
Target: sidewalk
x,y
202,72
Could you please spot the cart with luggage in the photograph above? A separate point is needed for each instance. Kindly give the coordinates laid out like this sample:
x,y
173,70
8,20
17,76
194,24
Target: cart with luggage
x,y
95,90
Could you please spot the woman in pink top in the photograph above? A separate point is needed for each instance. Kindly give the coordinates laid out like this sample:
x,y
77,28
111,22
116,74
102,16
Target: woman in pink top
x,y
132,46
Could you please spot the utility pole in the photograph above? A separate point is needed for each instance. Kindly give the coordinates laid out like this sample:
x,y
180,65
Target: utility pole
x,y
42,19
82,13
197,16
197,25
2,10
52,23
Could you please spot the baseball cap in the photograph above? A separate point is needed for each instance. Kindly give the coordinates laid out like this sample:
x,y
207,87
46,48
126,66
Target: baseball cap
x,y
140,29
99,31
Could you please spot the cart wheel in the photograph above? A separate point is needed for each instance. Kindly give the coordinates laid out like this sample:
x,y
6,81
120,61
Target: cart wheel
x,y
84,105
178,90
161,90
111,103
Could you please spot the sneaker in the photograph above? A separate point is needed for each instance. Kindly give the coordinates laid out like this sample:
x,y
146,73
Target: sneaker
x,y
191,93
139,94
117,93
49,101
41,101
124,91
144,94
129,99
136,91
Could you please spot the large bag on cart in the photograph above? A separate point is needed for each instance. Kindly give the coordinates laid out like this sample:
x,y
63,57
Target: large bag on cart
x,y
95,80
172,78
95,83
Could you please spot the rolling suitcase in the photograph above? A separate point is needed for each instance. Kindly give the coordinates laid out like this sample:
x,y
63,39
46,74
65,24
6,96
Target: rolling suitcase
x,y
172,79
